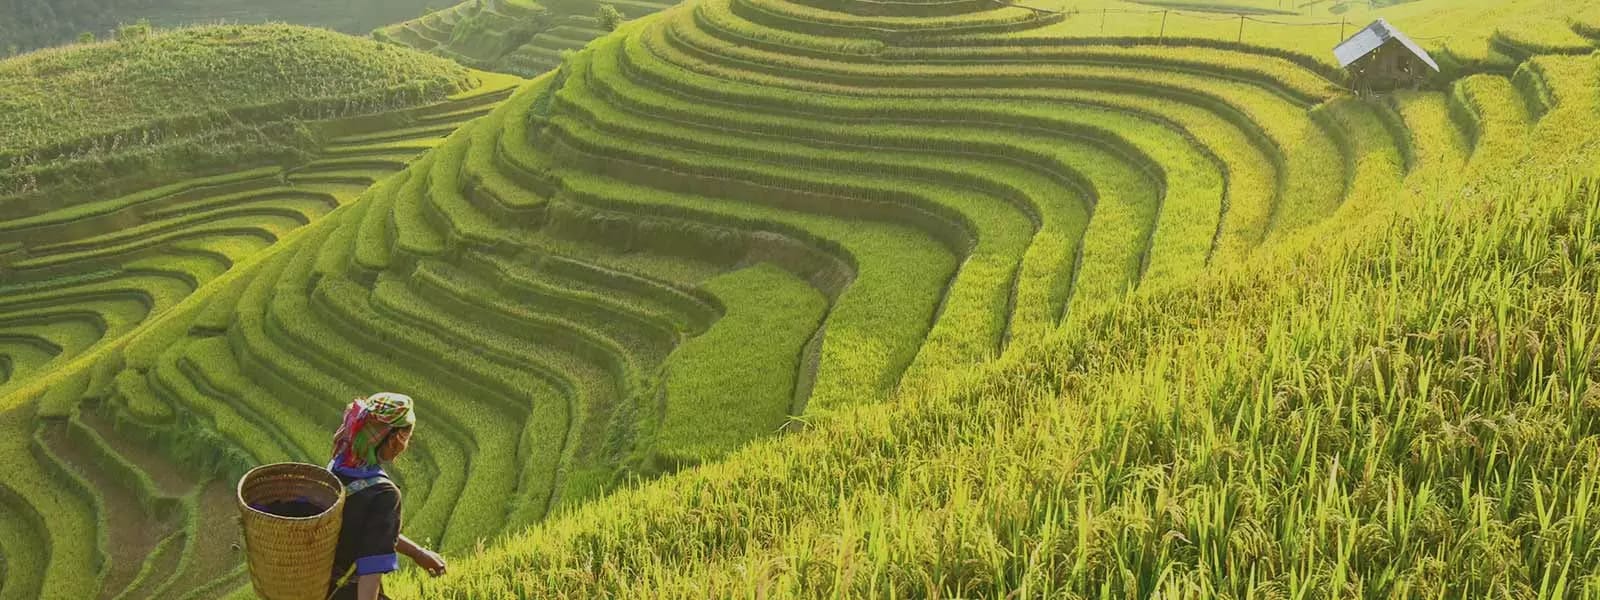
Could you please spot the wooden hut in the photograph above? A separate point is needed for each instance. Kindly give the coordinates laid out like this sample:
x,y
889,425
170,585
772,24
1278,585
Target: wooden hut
x,y
1379,59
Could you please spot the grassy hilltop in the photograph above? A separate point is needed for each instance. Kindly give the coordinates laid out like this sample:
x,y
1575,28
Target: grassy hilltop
x,y
31,24
185,100
512,36
857,298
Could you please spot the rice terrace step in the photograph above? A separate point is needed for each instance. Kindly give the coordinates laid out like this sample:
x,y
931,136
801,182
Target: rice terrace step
x,y
820,298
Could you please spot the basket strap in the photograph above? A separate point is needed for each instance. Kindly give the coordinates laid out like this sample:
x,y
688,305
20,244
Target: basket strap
x,y
355,487
342,580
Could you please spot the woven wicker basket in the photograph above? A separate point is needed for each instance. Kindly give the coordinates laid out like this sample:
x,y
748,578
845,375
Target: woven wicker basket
x,y
290,558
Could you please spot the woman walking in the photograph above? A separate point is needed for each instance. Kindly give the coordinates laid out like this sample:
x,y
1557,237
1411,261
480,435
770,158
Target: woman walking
x,y
376,429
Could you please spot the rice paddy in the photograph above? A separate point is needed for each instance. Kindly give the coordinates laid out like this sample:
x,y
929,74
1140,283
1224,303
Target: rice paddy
x,y
803,298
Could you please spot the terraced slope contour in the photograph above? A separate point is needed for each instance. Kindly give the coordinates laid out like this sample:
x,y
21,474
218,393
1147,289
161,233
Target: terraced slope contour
x,y
523,37
840,202
90,121
122,497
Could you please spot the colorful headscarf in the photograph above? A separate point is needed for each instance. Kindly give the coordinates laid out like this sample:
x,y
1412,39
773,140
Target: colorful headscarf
x,y
367,423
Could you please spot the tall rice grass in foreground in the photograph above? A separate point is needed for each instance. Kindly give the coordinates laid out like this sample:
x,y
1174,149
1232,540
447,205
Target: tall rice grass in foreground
x,y
1413,415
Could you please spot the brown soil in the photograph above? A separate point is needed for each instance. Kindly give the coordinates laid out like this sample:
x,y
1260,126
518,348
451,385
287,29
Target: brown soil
x,y
131,536
214,549
162,565
168,477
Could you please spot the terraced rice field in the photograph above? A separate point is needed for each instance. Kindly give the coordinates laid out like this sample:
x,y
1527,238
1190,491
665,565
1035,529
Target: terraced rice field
x,y
727,220
511,36
114,473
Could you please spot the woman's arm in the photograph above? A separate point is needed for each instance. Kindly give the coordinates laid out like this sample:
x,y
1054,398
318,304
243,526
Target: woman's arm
x,y
429,560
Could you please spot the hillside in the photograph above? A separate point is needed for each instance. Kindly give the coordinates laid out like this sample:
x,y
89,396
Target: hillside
x,y
198,97
32,24
1214,434
511,36
88,508
1036,313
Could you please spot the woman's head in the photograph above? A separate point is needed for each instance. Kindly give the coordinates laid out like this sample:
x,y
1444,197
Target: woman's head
x,y
376,429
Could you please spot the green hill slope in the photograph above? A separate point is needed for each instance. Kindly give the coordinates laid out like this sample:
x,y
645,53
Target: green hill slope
x,y
1376,421
187,100
1046,315
31,24
107,505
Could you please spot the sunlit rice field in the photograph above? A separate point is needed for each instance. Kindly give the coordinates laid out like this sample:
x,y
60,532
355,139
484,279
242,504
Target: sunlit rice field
x,y
845,298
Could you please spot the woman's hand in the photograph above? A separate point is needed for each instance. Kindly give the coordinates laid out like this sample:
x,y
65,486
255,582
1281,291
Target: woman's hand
x,y
430,561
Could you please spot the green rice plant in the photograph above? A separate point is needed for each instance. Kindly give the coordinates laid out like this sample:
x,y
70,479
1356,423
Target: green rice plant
x,y
942,112
1295,84
141,403
1375,160
1570,81
643,333
414,235
207,363
277,195
504,36
1289,78
58,154
485,181
1201,426
302,435
206,422
1001,237
46,341
690,310
816,21
877,323
449,209
719,18
335,319
1189,427
22,533
102,377
1532,85
988,288
1461,28
198,260
71,479
62,399
149,288
403,135
262,341
267,223
321,73
1305,149
584,380
1533,36
408,145
67,562
335,256
374,239
1494,116
109,206
286,375
1264,7
739,380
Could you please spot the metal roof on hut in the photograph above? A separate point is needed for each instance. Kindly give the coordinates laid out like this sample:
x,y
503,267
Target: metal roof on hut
x,y
1374,36
1381,58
